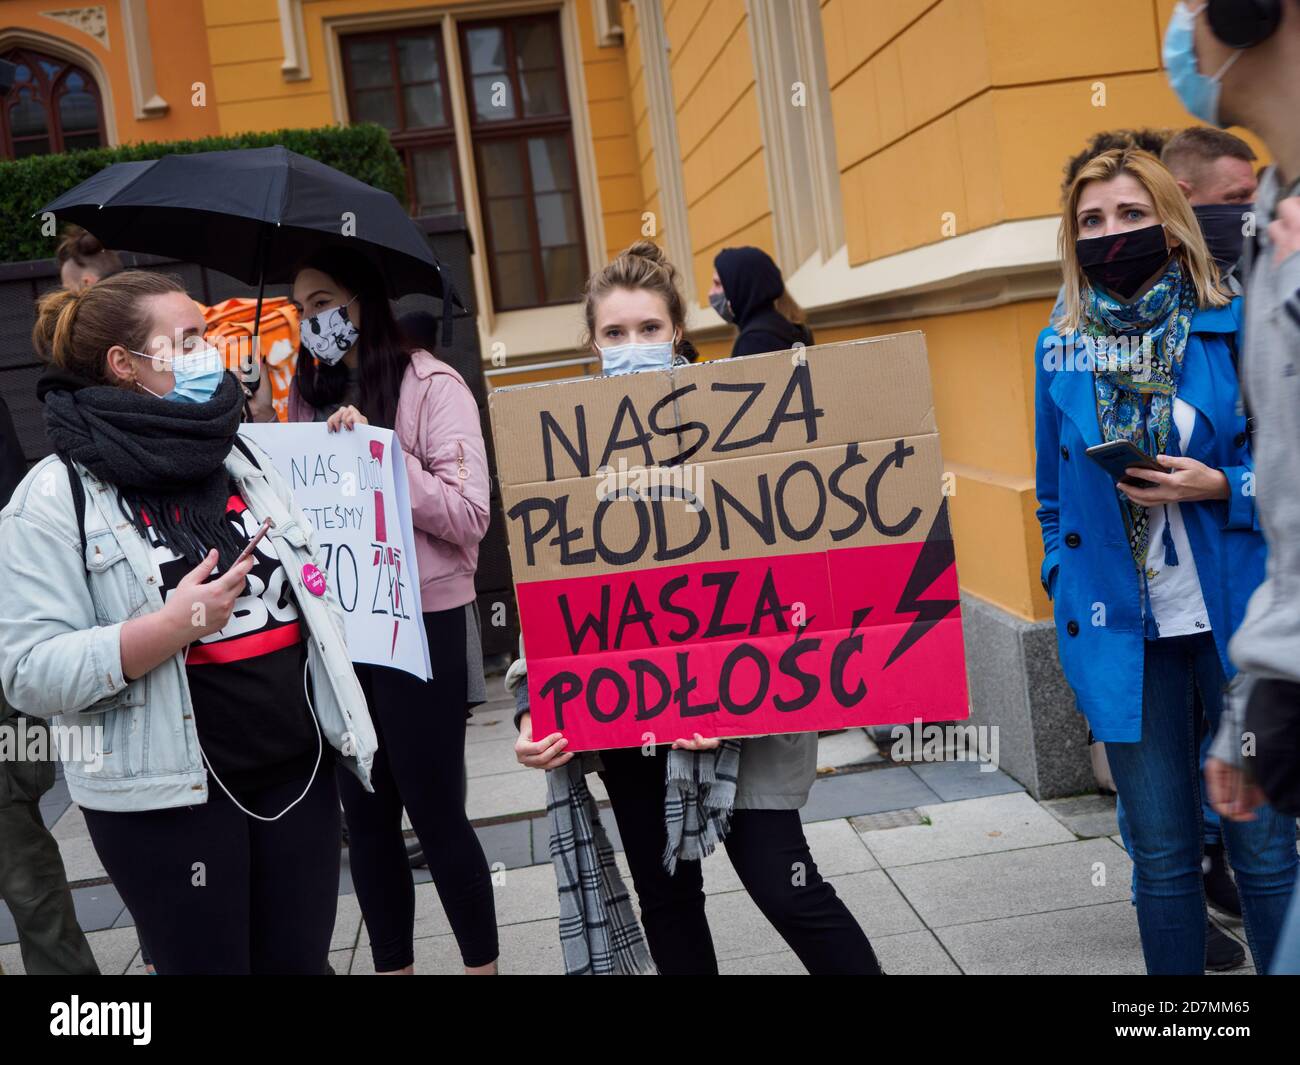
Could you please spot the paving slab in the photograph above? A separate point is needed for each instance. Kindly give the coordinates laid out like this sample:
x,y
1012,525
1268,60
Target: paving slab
x,y
97,907
1081,941
80,860
867,792
508,845
72,825
532,948
489,757
782,963
116,950
52,811
1086,815
506,794
347,925
964,780
969,826
8,930
492,721
851,747
913,954
1015,883
521,895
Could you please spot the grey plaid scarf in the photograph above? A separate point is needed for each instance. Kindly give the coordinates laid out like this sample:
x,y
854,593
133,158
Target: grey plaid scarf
x,y
599,932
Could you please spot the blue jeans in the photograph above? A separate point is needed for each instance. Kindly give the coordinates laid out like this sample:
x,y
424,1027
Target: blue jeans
x,y
1158,780
1213,833
1286,960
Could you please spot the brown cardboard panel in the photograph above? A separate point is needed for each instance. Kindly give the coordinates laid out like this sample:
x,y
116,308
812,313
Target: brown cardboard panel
x,y
833,394
536,427
798,499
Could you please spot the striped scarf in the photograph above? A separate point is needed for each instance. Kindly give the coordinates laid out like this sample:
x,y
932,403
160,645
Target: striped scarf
x,y
599,932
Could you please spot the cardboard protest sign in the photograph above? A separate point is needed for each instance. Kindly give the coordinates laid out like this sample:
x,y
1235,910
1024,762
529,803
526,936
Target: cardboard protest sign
x,y
361,513
735,548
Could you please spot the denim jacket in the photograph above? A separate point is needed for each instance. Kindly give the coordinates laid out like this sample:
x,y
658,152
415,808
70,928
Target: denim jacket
x,y
61,615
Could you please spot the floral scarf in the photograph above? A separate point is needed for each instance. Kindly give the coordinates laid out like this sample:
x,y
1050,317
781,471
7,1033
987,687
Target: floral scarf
x,y
1136,352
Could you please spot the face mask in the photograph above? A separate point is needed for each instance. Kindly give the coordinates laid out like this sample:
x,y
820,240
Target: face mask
x,y
329,335
630,358
1223,225
1123,262
1198,93
197,374
719,302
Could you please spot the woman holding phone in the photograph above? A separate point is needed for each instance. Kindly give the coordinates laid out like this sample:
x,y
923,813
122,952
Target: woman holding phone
x,y
354,369
1148,582
201,666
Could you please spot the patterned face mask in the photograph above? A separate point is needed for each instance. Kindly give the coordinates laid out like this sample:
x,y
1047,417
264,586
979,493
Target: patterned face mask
x,y
329,335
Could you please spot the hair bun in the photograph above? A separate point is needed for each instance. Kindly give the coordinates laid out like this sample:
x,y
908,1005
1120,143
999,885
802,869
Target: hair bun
x,y
648,249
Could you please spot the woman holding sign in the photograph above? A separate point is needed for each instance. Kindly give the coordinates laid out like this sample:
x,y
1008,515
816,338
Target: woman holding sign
x,y
354,370
159,598
673,805
1151,540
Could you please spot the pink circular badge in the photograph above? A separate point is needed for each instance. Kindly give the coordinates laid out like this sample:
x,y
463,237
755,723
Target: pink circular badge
x,y
314,579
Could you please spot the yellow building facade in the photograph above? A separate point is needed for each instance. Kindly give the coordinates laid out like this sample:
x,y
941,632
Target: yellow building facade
x,y
900,159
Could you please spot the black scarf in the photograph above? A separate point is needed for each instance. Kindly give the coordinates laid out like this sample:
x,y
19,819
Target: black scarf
x,y
166,458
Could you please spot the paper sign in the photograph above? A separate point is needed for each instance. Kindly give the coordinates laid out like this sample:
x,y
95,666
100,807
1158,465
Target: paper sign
x,y
736,548
346,485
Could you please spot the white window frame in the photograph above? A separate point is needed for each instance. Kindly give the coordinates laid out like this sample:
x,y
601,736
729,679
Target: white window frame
x,y
802,168
534,329
674,220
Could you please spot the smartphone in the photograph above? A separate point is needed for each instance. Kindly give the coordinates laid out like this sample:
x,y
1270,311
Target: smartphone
x,y
257,537
1120,455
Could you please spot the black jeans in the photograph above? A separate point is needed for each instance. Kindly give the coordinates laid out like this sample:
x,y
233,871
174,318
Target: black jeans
x,y
768,850
33,882
214,891
420,765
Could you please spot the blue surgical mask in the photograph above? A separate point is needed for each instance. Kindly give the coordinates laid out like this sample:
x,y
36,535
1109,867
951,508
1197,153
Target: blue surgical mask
x,y
1198,93
629,358
197,374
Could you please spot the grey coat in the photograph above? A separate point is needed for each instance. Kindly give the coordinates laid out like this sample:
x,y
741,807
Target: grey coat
x,y
1267,643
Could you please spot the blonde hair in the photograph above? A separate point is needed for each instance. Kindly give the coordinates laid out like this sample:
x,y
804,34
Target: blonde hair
x,y
788,308
74,330
641,266
1171,207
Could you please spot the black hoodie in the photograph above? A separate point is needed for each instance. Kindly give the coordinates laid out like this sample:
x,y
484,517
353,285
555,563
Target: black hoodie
x,y
752,283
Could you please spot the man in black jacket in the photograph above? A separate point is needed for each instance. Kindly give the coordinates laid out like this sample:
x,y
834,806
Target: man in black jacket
x,y
33,882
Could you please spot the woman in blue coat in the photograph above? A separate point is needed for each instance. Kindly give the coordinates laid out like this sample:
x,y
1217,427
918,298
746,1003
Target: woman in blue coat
x,y
1149,582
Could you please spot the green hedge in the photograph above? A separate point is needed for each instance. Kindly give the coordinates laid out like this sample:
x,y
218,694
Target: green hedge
x,y
26,185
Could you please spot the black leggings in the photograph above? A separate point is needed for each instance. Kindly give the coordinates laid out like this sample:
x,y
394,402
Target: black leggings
x,y
214,891
770,855
420,766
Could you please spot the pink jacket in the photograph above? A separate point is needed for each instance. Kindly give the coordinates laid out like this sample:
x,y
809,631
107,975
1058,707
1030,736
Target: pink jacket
x,y
447,473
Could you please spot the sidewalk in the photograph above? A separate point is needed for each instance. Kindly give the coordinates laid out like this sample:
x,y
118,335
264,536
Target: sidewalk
x,y
948,869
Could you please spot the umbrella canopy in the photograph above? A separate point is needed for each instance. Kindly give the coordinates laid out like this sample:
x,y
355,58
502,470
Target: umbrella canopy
x,y
253,213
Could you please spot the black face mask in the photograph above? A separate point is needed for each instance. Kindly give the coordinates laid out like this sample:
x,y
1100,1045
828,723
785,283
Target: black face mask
x,y
1123,262
1223,225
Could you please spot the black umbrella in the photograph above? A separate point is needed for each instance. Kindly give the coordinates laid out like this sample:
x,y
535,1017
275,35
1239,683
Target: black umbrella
x,y
254,213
